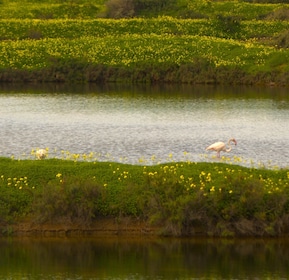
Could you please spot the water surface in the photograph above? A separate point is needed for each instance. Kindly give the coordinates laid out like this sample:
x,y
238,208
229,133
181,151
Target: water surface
x,y
143,258
133,123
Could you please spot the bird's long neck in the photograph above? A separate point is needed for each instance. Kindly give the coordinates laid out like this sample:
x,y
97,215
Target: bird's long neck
x,y
229,146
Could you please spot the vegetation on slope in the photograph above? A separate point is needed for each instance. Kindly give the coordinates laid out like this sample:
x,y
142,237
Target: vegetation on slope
x,y
179,197
193,41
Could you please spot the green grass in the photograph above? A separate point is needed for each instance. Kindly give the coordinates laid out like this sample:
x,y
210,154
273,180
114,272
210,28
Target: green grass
x,y
83,47
240,9
16,29
133,50
45,10
70,40
225,199
48,9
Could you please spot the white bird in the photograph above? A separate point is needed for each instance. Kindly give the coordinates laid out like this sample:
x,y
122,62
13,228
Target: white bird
x,y
41,153
221,147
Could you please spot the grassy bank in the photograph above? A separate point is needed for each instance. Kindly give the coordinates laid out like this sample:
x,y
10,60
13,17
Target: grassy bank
x,y
179,198
185,42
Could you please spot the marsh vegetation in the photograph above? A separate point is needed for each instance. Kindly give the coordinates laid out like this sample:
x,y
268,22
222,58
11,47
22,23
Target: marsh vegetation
x,y
180,198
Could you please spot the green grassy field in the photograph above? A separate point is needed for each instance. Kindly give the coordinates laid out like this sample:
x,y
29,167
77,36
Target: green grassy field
x,y
45,40
226,199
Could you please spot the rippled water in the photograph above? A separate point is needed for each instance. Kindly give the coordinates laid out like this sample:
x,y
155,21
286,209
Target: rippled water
x,y
120,258
131,123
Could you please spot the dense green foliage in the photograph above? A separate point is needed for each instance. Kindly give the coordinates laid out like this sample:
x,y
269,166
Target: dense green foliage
x,y
221,199
188,41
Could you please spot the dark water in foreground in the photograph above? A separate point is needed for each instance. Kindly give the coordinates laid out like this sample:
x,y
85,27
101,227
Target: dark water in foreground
x,y
139,123
123,258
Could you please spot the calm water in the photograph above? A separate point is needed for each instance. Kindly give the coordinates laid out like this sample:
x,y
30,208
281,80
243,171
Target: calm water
x,y
132,123
120,258
129,124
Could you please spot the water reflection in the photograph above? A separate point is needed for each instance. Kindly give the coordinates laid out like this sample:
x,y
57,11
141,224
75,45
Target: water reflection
x,y
120,258
129,122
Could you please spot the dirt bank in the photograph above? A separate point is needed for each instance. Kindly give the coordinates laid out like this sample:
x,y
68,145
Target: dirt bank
x,y
126,226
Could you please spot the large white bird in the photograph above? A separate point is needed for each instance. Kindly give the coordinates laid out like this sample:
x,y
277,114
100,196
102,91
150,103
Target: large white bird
x,y
41,153
221,146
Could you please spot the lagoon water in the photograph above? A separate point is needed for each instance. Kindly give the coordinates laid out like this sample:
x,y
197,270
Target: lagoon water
x,y
153,124
137,124
118,258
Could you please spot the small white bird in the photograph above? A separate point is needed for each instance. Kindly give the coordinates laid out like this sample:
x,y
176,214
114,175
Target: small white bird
x,y
41,153
221,146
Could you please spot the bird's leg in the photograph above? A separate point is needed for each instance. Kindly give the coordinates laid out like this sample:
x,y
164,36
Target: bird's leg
x,y
218,154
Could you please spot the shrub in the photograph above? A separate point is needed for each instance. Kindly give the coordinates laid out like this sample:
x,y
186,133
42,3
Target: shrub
x,y
154,6
230,26
34,34
164,199
68,199
225,203
279,14
120,8
282,40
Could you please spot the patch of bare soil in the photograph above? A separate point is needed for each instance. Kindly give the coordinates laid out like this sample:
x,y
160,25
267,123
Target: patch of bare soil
x,y
124,226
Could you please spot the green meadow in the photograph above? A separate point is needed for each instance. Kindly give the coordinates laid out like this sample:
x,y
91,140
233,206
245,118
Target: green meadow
x,y
179,198
193,41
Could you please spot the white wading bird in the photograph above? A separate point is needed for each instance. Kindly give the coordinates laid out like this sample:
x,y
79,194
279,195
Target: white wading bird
x,y
221,147
41,153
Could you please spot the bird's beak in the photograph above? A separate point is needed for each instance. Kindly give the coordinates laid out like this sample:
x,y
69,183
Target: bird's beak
x,y
235,142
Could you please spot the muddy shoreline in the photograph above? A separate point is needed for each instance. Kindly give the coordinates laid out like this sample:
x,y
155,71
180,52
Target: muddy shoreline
x,y
102,227
107,227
